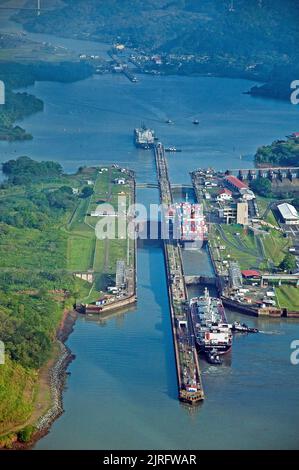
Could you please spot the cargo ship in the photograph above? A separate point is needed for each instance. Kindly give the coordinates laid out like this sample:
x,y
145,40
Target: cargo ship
x,y
193,228
144,137
187,224
212,332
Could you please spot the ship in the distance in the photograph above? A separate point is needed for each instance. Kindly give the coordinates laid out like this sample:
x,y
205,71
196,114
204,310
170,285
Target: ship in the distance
x,y
212,332
144,137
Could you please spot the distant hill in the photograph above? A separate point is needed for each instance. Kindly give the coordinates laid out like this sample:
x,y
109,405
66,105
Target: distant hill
x,y
240,37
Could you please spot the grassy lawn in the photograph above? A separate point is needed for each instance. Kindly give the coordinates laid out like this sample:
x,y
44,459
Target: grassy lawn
x,y
77,220
271,219
80,251
263,203
244,240
246,237
98,260
247,248
276,246
117,251
84,250
288,297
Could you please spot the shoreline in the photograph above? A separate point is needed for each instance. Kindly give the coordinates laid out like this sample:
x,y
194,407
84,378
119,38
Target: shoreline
x,y
51,380
56,381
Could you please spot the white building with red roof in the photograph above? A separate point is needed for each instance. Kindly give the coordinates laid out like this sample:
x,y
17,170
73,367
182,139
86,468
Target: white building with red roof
x,y
224,195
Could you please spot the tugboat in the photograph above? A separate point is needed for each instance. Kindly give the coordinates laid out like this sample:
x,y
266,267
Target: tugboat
x,y
213,358
172,149
243,328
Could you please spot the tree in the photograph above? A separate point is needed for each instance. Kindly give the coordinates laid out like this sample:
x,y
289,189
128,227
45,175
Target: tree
x,y
86,191
25,434
288,263
24,170
280,152
261,186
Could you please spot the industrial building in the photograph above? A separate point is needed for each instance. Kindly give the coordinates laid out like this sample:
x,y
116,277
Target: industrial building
x,y
247,194
288,214
234,213
251,274
242,213
224,195
233,183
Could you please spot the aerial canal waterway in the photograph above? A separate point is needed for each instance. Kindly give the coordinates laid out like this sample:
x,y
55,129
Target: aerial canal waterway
x,y
122,389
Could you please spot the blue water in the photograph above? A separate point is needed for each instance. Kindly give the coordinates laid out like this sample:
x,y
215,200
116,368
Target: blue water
x,y
122,390
92,121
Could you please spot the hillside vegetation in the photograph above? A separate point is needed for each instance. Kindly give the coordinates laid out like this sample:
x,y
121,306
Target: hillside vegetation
x,y
17,392
36,202
256,39
280,152
21,104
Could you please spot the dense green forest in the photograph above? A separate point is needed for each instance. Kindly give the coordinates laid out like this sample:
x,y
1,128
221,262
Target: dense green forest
x,y
280,152
19,105
262,187
25,170
16,107
36,202
256,39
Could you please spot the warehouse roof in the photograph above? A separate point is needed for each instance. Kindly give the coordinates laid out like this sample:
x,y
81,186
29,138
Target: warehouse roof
x,y
236,182
250,273
288,211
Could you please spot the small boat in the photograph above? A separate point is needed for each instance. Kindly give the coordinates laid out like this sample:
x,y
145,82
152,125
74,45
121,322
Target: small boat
x,y
196,121
213,358
243,328
172,149
169,121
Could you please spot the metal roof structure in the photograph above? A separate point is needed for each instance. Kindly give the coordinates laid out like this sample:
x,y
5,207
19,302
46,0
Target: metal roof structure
x,y
288,211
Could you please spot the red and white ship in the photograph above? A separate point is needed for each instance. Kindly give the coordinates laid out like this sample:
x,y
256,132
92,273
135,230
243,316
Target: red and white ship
x,y
189,225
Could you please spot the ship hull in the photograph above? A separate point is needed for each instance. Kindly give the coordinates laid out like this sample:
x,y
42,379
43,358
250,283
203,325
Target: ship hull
x,y
211,331
144,138
220,349
142,146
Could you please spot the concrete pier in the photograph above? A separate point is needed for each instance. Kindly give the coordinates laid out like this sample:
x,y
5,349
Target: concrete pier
x,y
188,372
